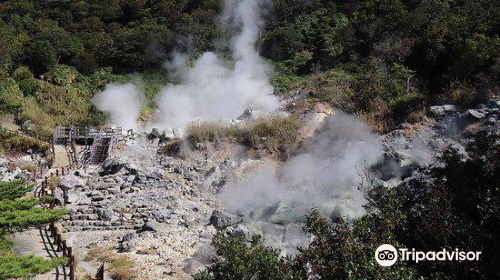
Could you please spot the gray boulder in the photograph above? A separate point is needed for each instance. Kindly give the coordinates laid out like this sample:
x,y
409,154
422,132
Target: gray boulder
x,y
106,215
111,166
178,133
470,117
69,182
339,212
168,133
151,226
127,243
240,231
442,110
287,213
77,198
28,125
475,115
222,219
160,214
155,133
213,180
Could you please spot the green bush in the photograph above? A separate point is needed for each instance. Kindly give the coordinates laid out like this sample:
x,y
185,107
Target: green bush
x,y
275,135
463,94
242,261
284,83
10,95
279,134
20,143
403,105
61,75
27,83
298,64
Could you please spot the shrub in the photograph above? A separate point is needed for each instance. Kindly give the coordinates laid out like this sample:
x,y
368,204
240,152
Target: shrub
x,y
298,64
462,94
283,83
27,83
61,74
279,134
275,135
403,105
242,261
21,143
458,204
31,110
333,87
17,214
198,132
10,95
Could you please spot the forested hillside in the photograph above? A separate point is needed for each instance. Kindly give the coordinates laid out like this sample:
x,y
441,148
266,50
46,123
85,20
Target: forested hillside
x,y
383,56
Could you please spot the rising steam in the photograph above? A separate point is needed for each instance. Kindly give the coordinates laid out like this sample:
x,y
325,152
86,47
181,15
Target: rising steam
x,y
215,89
326,177
122,103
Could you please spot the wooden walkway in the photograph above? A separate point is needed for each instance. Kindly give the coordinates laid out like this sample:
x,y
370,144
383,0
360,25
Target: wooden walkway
x,y
61,158
40,243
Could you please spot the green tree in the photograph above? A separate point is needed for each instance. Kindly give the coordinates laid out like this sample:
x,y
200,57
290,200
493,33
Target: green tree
x,y
16,214
27,82
41,55
242,261
10,46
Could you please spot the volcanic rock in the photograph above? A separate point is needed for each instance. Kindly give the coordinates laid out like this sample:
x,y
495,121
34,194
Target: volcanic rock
x,y
222,219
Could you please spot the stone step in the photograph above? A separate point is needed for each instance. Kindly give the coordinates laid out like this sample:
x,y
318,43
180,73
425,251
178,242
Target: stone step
x,y
101,228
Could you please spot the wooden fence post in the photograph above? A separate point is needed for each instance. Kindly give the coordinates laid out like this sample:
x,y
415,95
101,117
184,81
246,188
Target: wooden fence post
x,y
71,265
100,272
64,197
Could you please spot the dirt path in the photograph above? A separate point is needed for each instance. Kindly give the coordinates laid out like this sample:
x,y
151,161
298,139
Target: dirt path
x,y
38,242
61,158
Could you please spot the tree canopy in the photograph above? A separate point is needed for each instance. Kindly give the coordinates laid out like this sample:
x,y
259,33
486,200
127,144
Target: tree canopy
x,y
17,214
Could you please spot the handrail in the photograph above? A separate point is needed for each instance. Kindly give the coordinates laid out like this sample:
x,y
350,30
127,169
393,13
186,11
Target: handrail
x,y
56,232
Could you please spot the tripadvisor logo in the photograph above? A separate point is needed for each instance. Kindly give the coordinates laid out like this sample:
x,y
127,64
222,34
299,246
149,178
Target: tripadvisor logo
x,y
387,255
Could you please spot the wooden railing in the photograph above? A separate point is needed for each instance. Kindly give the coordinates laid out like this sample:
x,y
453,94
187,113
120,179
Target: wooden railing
x,y
67,251
46,189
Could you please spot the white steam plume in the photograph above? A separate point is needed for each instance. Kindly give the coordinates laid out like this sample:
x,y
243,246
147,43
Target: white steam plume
x,y
122,102
212,89
326,177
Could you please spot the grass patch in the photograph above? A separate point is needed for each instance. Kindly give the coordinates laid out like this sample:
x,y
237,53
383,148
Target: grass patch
x,y
198,132
275,135
278,134
117,266
20,143
404,105
463,94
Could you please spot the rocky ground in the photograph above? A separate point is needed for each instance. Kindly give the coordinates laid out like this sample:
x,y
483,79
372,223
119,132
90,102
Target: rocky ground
x,y
162,212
